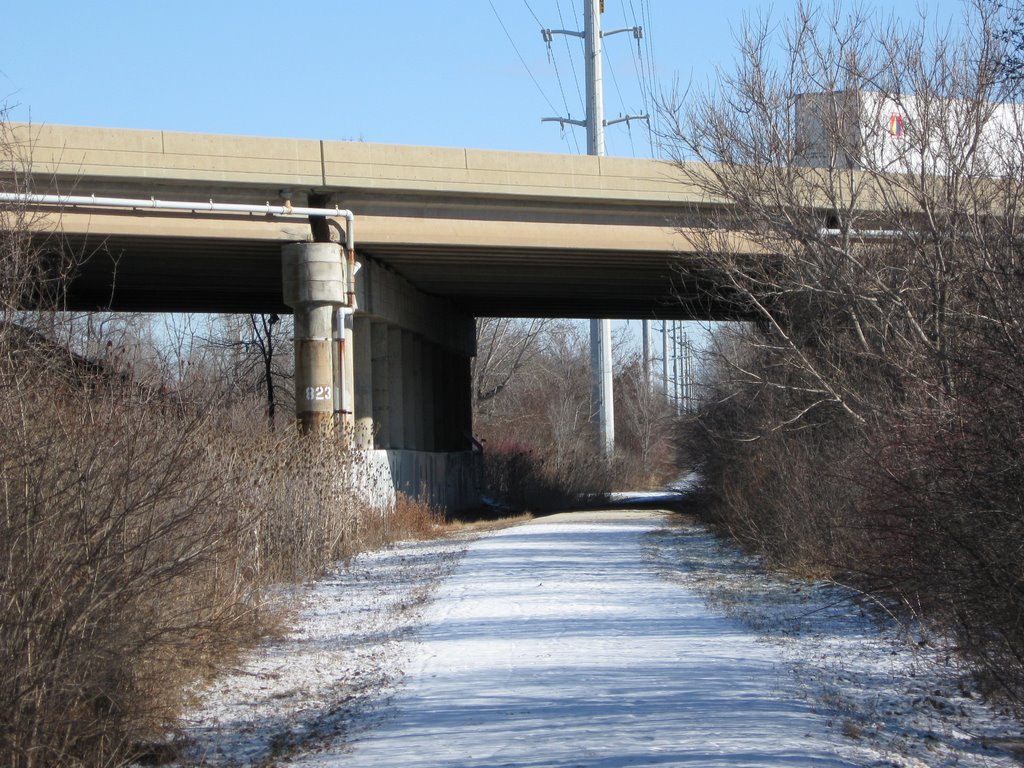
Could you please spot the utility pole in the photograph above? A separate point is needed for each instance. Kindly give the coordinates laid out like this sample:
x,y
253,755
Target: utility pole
x,y
677,368
664,358
687,373
603,409
646,360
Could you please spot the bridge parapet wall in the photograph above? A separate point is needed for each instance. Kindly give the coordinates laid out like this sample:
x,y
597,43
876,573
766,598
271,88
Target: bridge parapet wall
x,y
123,155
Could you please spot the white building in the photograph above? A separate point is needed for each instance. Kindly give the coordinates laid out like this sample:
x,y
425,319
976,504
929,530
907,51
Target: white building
x,y
906,134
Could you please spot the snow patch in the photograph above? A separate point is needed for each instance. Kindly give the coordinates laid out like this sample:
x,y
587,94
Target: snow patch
x,y
900,696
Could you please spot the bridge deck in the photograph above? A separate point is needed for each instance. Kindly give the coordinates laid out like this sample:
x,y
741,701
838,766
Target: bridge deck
x,y
498,233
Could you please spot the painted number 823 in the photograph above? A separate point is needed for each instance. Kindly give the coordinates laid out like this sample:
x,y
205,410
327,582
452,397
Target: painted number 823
x,y
318,393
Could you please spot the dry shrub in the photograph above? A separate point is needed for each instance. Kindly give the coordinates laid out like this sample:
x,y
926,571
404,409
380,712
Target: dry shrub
x,y
543,478
871,426
515,474
646,428
299,494
412,519
120,571
532,411
788,492
922,510
946,523
137,539
140,524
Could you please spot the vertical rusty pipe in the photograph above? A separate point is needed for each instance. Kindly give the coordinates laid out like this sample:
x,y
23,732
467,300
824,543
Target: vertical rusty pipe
x,y
348,369
346,335
343,371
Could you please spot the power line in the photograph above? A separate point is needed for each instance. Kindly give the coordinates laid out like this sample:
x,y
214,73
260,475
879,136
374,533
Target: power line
x,y
558,75
644,65
565,101
637,58
527,4
645,10
652,65
592,34
572,59
521,59
622,101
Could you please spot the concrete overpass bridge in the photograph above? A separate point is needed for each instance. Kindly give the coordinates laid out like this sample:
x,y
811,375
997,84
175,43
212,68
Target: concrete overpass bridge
x,y
441,236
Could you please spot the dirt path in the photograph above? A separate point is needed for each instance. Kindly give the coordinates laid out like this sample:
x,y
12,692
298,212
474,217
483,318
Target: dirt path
x,y
558,643
581,640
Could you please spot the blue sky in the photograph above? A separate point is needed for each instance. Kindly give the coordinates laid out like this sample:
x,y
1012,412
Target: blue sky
x,y
456,74
392,71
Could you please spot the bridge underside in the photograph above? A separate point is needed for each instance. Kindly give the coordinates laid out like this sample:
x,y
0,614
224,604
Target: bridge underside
x,y
151,274
206,273
506,282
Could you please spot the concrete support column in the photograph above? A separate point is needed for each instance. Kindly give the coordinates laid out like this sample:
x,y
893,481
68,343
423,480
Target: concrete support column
x,y
396,388
462,402
344,375
427,399
362,356
314,286
454,401
411,394
440,400
448,393
453,395
348,379
381,381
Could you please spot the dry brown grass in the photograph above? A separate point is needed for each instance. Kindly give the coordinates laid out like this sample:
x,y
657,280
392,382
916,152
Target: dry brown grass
x,y
137,542
487,524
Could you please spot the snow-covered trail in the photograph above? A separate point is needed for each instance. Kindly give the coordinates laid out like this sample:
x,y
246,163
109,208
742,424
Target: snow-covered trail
x,y
558,644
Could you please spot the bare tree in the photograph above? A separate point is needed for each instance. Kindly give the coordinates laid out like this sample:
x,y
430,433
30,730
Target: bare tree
x,y
263,340
505,346
252,352
646,425
872,177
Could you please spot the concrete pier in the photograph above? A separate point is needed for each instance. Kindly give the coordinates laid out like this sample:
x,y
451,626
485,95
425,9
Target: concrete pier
x,y
314,287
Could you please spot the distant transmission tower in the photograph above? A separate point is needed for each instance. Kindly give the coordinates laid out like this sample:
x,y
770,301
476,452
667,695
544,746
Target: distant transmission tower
x,y
678,366
600,330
